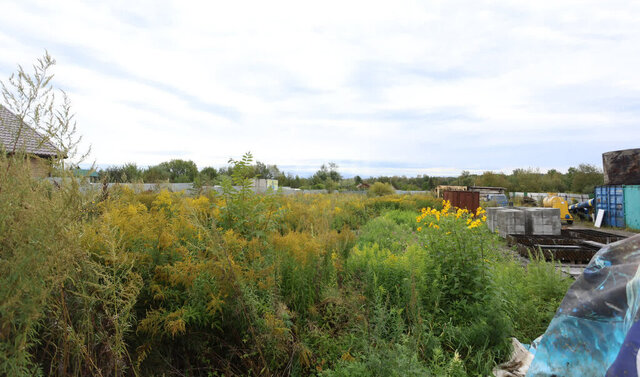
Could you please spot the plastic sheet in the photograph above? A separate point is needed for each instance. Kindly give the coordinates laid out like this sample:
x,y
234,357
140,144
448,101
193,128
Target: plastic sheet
x,y
588,330
626,364
519,363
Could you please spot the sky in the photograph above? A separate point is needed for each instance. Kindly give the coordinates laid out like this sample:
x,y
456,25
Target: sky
x,y
380,88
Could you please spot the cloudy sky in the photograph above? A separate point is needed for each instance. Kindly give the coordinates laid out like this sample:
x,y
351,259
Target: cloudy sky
x,y
393,87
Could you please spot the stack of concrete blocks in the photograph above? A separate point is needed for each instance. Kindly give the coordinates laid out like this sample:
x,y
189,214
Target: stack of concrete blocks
x,y
511,221
524,220
542,221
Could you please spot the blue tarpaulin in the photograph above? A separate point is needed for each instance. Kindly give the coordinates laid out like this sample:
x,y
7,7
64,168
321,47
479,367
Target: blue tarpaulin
x,y
596,315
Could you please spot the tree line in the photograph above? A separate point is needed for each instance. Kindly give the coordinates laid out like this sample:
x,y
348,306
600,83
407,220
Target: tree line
x,y
580,179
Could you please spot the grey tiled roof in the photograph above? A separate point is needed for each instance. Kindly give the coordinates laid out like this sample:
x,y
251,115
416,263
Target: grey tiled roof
x,y
29,140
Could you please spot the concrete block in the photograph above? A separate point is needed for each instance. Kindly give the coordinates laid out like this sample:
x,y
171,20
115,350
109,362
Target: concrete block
x,y
511,221
524,220
550,224
492,217
533,220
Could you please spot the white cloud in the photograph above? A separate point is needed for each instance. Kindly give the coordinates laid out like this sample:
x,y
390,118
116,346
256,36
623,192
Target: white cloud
x,y
429,87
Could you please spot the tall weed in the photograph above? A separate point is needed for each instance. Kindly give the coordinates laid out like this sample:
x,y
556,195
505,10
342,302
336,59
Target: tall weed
x,y
126,283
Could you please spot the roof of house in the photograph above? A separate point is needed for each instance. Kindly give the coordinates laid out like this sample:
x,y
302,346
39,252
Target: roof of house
x,y
28,139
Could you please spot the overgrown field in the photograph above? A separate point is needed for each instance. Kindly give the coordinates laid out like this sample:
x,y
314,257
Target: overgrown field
x,y
119,283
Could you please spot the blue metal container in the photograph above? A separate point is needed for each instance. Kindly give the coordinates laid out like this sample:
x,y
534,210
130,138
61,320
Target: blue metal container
x,y
611,200
632,206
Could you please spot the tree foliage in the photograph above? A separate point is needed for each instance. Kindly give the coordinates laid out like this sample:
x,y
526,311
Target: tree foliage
x,y
208,175
180,171
585,178
129,172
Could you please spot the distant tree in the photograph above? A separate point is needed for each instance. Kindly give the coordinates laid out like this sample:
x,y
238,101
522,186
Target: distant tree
x,y
132,172
327,177
126,173
585,178
492,179
265,171
156,174
321,175
357,180
298,182
465,179
225,170
424,182
554,181
180,171
262,171
421,182
288,180
333,172
208,175
526,180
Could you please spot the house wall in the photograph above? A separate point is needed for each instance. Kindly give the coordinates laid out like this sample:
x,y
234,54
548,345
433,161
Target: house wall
x,y
40,167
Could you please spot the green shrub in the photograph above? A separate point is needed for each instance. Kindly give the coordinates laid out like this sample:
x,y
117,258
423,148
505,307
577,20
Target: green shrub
x,y
381,189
